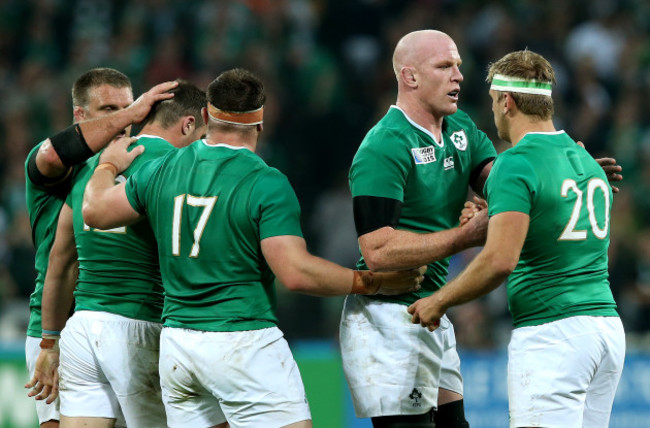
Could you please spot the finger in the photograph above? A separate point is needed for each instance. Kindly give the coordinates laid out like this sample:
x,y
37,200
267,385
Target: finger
x,y
615,189
411,310
164,86
31,383
137,151
581,144
423,269
45,393
606,161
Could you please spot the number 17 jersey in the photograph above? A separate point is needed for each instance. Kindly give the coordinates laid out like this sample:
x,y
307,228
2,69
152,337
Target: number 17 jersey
x,y
209,207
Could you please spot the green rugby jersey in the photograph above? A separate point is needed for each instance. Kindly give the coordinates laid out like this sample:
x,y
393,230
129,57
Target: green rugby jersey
x,y
43,205
210,206
399,159
118,268
562,270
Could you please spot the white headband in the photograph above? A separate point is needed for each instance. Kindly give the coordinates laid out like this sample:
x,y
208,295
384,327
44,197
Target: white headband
x,y
517,84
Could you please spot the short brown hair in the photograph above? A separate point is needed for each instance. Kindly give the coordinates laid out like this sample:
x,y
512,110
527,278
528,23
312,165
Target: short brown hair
x,y
188,101
527,65
93,78
236,90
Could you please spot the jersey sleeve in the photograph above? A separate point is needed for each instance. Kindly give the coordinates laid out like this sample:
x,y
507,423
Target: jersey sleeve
x,y
511,185
482,149
137,185
275,206
381,167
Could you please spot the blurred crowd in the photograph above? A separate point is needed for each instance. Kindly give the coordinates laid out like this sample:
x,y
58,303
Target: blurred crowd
x,y
327,68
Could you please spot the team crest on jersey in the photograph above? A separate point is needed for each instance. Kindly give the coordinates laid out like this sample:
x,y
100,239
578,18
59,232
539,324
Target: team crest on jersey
x,y
423,155
459,139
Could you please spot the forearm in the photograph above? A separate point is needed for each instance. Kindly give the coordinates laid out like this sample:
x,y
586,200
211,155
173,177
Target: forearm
x,y
101,131
95,202
480,277
58,298
405,250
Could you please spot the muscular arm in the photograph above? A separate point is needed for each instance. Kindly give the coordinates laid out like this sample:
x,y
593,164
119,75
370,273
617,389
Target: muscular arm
x,y
97,133
390,249
506,235
57,301
61,275
300,271
105,204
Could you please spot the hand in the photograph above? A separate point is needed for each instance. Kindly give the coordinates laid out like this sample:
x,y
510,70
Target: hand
x,y
406,281
427,312
471,208
45,383
611,169
141,107
474,230
118,154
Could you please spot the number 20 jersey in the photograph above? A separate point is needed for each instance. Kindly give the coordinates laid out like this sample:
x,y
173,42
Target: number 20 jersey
x,y
210,206
562,270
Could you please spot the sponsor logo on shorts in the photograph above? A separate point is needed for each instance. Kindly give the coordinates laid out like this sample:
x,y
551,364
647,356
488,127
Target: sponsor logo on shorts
x,y
423,155
415,395
448,163
460,140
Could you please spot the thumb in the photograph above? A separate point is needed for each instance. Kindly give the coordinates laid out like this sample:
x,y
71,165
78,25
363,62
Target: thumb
x,y
581,144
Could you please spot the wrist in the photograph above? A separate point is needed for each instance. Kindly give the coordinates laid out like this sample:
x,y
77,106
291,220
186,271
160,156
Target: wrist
x,y
107,166
365,282
50,342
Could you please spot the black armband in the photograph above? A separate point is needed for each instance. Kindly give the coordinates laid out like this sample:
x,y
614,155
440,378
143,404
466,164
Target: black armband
x,y
71,146
36,177
373,212
476,173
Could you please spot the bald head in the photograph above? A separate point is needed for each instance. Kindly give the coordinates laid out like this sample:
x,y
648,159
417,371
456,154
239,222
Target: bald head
x,y
417,46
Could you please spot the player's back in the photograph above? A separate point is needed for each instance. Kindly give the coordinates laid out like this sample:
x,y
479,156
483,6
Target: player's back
x,y
118,268
208,205
562,270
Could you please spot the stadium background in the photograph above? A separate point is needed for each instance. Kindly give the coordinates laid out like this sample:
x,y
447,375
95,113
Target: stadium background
x,y
326,65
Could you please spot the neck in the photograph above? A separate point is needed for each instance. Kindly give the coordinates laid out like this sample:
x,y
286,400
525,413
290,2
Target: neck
x,y
158,131
232,139
422,117
522,125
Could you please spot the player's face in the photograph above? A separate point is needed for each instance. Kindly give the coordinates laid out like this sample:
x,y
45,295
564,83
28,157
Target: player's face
x,y
499,116
106,99
439,77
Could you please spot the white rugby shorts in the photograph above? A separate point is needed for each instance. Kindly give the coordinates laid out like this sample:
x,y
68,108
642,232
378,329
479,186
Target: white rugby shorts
x,y
394,367
248,378
45,412
109,369
565,373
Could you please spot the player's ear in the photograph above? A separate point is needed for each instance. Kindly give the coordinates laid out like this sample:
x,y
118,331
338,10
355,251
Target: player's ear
x,y
204,114
79,113
408,76
188,125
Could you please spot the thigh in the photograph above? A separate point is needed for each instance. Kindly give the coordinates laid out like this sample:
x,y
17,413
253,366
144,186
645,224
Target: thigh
x,y
450,377
84,390
128,353
550,367
392,366
45,412
259,383
601,392
187,402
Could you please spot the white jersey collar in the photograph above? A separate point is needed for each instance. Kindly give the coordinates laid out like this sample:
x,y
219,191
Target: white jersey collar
x,y
426,131
228,146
